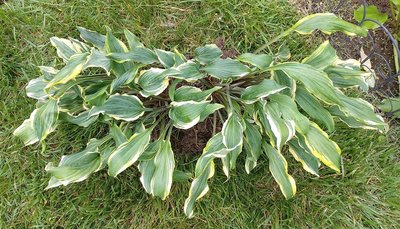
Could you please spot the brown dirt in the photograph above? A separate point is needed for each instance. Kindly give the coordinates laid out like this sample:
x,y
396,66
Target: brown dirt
x,y
349,47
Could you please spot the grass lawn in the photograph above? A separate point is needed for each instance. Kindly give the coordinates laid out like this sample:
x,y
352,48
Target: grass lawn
x,y
366,195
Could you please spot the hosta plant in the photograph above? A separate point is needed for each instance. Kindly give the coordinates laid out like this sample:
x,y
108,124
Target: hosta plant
x,y
261,102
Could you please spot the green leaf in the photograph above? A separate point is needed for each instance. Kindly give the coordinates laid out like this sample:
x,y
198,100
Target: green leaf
x,y
121,107
138,54
322,57
261,61
289,111
83,119
315,81
232,131
70,71
114,45
210,108
133,41
204,171
391,105
279,130
44,119
98,59
74,168
252,146
152,81
117,134
187,93
48,72
35,89
327,23
372,12
125,78
326,150
302,154
279,170
128,153
283,52
166,58
229,161
207,54
226,68
26,133
314,108
256,92
189,71
164,165
65,48
95,38
348,74
186,114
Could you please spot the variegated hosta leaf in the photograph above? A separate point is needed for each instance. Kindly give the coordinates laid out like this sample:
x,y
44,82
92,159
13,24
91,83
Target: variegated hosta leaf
x,y
121,107
35,89
356,110
146,164
279,130
166,58
210,108
391,105
98,59
315,81
114,45
226,68
153,81
187,93
48,72
26,133
128,153
261,61
125,78
67,48
164,165
189,71
186,114
327,23
179,58
138,54
314,108
279,170
70,71
229,161
232,131
267,87
93,37
252,146
204,171
207,54
289,111
83,119
118,135
302,154
96,94
326,150
133,41
322,57
75,167
348,74
44,119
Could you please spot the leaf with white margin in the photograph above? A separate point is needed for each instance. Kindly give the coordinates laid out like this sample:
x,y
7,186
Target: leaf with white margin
x,y
232,131
186,114
152,81
44,119
322,57
35,89
279,169
70,71
98,59
256,92
302,154
210,108
187,93
83,119
125,78
114,45
226,68
26,133
252,146
326,150
164,165
121,107
133,40
204,171
261,61
229,161
138,54
189,71
166,58
207,54
128,153
97,39
65,48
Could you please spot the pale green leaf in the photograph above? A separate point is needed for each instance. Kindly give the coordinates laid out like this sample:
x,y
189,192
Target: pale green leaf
x,y
152,81
125,78
166,58
44,119
252,146
98,59
35,89
391,105
83,119
133,41
114,45
118,135
322,57
189,71
186,114
279,170
95,38
187,93
138,54
232,131
261,61
267,87
226,68
164,164
207,54
372,12
65,48
128,153
26,133
302,154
